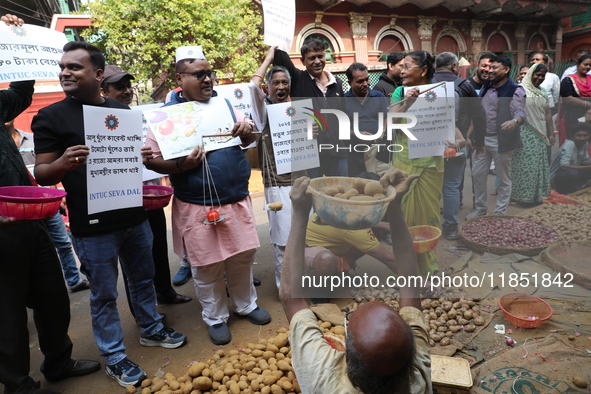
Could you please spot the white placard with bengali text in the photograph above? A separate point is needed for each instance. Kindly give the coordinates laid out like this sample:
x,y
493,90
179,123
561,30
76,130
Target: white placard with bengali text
x,y
114,165
279,17
239,96
435,112
30,52
289,134
179,128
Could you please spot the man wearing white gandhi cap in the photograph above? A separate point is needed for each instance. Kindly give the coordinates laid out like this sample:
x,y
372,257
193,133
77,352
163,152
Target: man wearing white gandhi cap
x,y
220,244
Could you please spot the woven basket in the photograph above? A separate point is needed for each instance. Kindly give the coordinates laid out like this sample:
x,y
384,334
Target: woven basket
x,y
524,310
481,248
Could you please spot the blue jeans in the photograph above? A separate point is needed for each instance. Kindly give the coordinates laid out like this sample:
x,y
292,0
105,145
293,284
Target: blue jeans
x,y
569,181
452,178
59,234
99,256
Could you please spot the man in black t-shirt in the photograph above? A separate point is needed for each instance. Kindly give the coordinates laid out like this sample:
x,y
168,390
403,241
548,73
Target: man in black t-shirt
x,y
101,240
482,69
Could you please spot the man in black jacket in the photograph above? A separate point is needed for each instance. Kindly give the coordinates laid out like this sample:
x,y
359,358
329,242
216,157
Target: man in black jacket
x,y
390,79
316,82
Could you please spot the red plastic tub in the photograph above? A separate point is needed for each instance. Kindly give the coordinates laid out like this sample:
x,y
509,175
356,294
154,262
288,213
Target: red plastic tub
x,y
156,196
30,202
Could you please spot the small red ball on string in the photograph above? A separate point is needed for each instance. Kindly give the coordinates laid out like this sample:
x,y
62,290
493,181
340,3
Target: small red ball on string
x,y
213,216
449,152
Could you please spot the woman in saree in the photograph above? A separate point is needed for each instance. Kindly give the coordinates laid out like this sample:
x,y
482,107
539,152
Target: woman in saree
x,y
575,93
421,204
529,165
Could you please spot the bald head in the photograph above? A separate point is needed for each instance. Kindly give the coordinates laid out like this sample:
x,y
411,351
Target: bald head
x,y
380,349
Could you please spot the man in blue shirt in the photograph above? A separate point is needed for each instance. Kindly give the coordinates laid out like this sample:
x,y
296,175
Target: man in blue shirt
x,y
367,103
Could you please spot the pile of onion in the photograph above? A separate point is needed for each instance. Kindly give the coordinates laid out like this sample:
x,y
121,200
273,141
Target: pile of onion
x,y
508,232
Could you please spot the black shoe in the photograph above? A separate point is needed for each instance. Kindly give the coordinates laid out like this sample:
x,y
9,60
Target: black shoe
x,y
80,368
219,334
256,282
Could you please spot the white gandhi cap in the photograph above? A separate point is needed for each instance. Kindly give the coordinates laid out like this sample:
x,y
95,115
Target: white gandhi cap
x,y
189,52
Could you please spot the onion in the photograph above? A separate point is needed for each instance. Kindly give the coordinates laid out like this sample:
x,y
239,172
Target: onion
x,y
510,341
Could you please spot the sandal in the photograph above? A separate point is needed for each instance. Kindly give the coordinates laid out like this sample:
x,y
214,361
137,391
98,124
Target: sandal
x,y
387,238
178,299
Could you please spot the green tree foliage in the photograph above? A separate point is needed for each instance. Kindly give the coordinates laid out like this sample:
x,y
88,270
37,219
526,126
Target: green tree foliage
x,y
142,36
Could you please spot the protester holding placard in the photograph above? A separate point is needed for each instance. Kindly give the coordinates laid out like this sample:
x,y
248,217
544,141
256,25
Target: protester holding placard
x,y
103,239
212,218
316,82
421,203
30,273
277,187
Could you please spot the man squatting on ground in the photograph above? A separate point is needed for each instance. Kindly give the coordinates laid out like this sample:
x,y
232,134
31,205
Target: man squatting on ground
x,y
386,352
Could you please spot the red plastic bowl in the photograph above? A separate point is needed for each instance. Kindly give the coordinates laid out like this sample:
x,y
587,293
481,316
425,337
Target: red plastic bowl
x,y
30,202
524,310
425,238
156,196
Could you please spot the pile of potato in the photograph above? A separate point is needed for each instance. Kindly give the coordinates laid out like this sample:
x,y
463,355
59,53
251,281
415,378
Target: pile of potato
x,y
263,368
444,316
585,197
362,190
571,222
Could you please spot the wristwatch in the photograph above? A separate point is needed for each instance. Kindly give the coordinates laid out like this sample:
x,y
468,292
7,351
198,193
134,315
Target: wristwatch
x,y
516,121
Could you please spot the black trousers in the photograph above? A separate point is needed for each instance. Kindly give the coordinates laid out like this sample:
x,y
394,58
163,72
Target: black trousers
x,y
162,284
31,277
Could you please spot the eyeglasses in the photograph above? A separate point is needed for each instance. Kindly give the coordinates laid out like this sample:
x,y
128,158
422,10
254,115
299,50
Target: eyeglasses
x,y
405,67
346,321
201,74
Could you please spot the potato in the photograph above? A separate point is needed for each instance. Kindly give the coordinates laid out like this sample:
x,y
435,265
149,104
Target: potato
x,y
218,375
281,340
342,196
202,383
174,385
351,192
146,383
454,329
196,369
444,341
157,386
268,354
275,389
436,337
146,390
340,188
372,188
580,382
234,388
479,320
338,330
283,365
257,353
462,321
275,206
379,196
470,327
359,184
330,190
130,390
468,315
255,385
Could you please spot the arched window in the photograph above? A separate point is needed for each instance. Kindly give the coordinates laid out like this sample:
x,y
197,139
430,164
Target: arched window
x,y
447,44
329,49
497,42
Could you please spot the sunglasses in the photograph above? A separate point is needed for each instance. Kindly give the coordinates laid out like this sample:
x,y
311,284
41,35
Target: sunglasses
x,y
201,74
